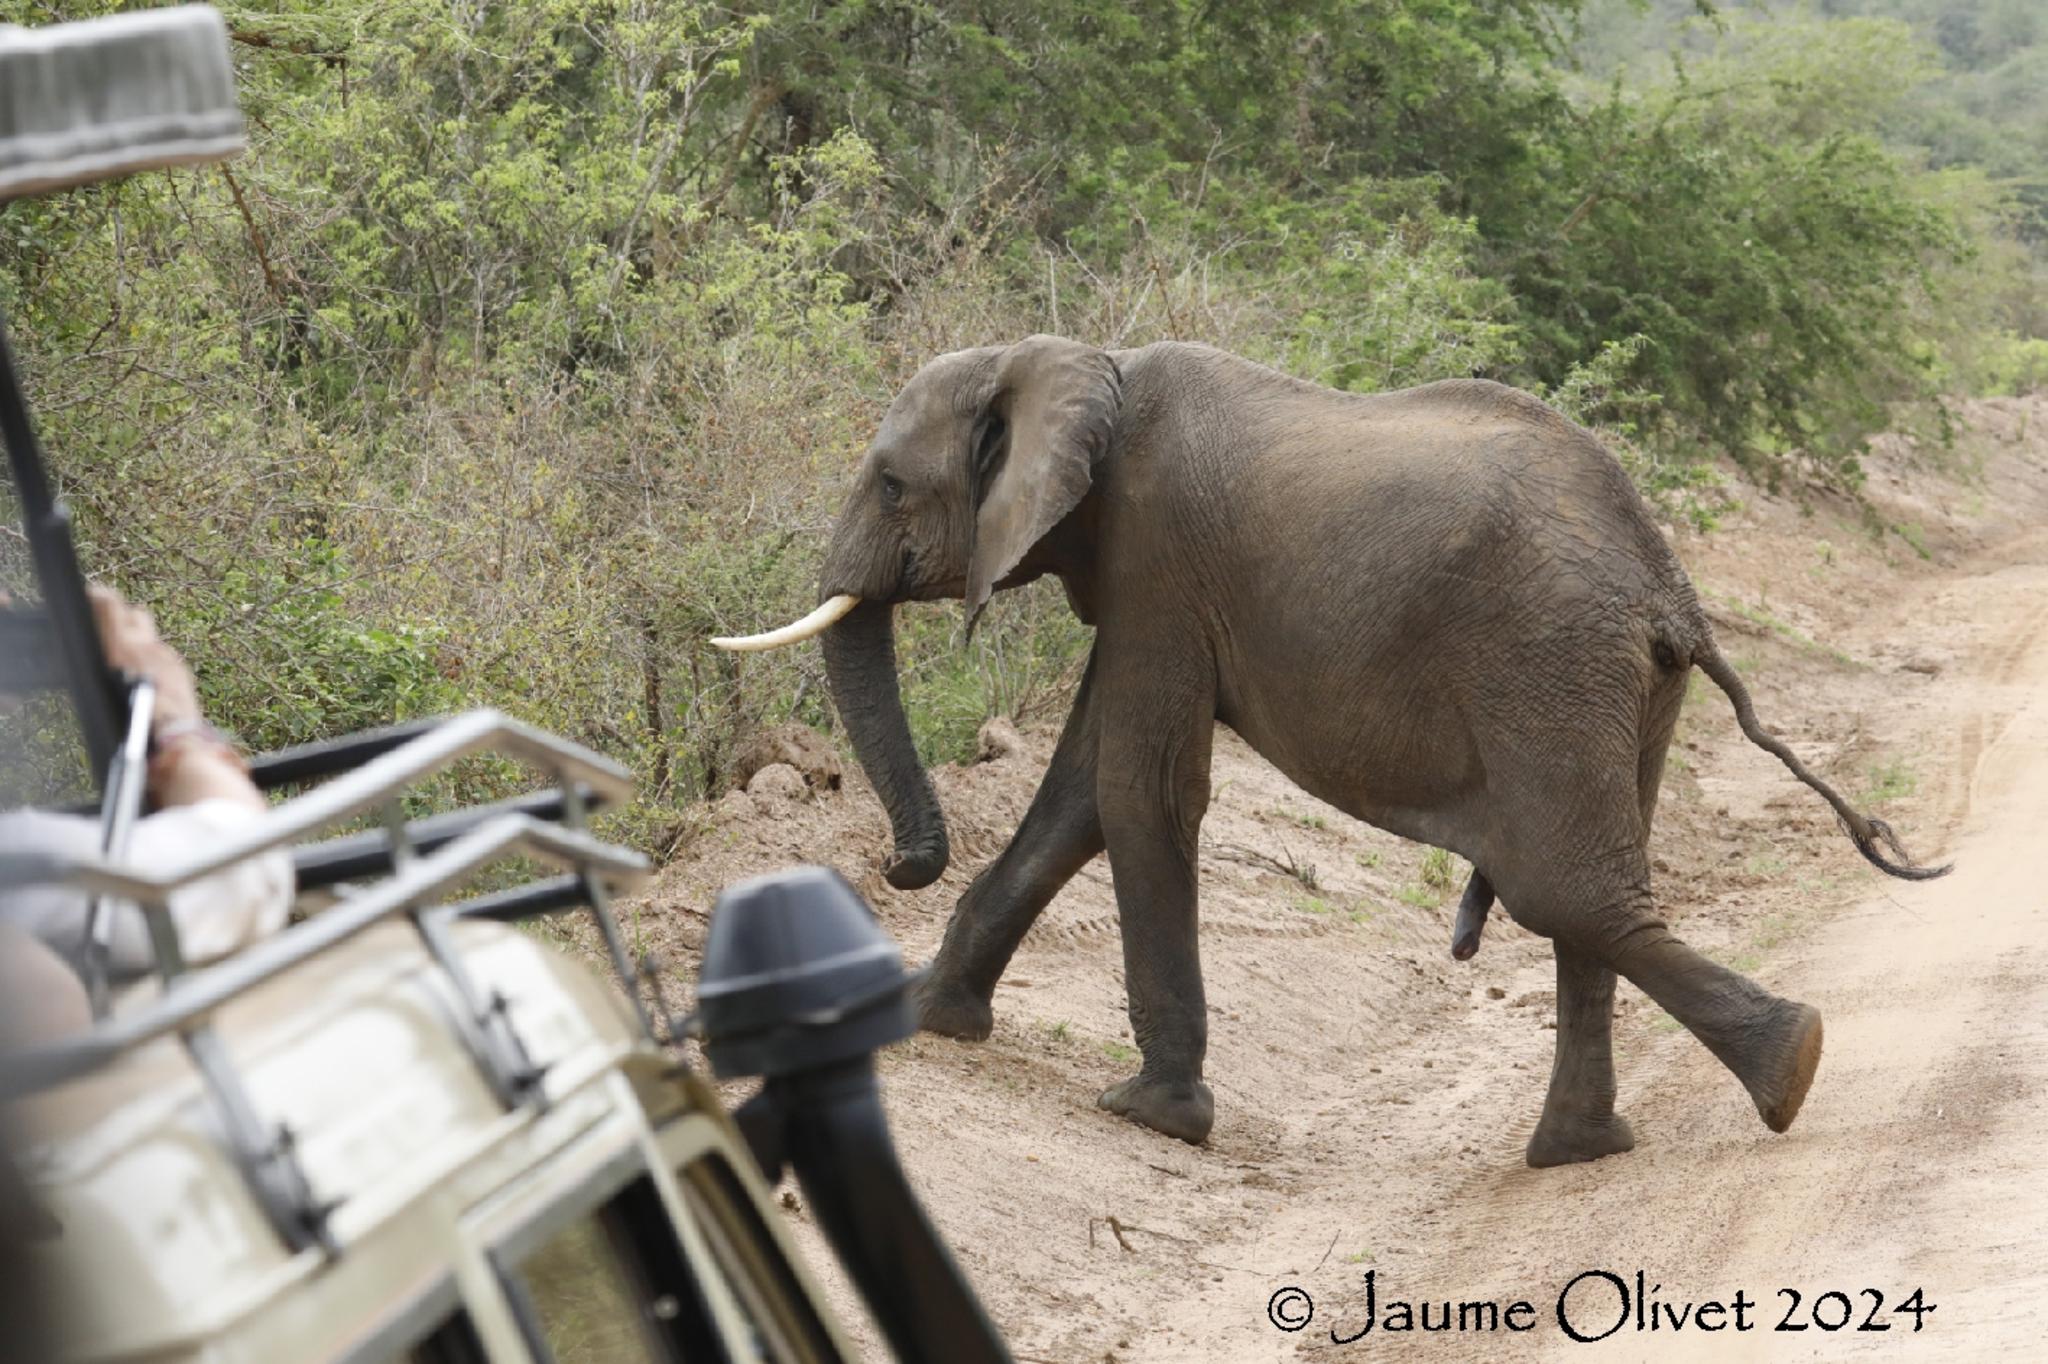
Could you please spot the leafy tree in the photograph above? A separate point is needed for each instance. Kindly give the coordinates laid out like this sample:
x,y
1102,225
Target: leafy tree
x,y
1766,250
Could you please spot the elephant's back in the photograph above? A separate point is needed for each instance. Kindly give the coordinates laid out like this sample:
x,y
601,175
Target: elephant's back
x,y
1481,501
1470,480
1446,524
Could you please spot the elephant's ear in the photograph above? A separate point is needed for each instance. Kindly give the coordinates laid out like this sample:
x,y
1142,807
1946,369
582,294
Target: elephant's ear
x,y
1034,451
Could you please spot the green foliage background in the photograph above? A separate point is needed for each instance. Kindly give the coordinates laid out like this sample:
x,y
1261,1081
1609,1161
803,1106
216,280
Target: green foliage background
x,y
532,341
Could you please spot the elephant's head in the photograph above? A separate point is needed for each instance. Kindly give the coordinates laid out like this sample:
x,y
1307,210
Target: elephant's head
x,y
981,455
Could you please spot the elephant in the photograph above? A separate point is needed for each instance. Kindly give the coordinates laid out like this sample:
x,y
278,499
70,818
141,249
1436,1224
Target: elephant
x,y
1444,610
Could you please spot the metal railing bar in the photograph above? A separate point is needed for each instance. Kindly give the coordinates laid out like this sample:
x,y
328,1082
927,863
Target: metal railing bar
x,y
319,865
552,896
198,994
343,798
484,1022
325,757
120,807
574,816
267,1155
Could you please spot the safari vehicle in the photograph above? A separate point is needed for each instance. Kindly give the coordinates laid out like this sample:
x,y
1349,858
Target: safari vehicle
x,y
402,1128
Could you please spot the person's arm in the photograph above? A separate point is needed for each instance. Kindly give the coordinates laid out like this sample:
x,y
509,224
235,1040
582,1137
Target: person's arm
x,y
202,791
191,762
41,998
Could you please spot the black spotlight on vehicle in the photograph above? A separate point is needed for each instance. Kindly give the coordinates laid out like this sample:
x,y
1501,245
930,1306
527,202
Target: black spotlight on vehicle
x,y
801,986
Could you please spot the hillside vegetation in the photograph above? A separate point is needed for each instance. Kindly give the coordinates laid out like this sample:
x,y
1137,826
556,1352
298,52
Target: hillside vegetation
x,y
532,342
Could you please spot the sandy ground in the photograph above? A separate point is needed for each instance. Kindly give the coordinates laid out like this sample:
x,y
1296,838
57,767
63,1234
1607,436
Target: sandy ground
x,y
1373,1095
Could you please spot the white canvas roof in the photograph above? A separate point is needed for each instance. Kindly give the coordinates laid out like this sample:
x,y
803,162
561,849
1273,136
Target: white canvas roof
x,y
91,100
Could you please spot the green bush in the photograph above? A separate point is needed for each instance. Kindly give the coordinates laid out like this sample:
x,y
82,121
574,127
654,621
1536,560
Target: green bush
x,y
2016,365
1768,251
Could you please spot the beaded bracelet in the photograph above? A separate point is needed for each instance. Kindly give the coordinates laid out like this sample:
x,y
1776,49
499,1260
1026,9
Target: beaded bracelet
x,y
170,742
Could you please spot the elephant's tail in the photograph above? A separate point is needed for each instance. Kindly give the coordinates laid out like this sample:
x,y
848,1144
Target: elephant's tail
x,y
1873,837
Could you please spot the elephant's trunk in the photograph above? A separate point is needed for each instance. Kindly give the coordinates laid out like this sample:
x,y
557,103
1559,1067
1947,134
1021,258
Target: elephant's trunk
x,y
860,661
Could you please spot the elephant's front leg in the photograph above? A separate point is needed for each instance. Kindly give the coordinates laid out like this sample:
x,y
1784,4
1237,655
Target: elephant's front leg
x,y
1579,1121
1059,834
1154,791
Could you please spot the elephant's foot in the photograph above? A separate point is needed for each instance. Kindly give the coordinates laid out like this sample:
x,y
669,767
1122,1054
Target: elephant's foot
x,y
1568,1140
1186,1109
953,1011
1783,1060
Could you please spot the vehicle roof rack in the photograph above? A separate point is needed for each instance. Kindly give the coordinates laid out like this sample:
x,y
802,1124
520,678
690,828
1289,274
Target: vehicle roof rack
x,y
423,860
89,101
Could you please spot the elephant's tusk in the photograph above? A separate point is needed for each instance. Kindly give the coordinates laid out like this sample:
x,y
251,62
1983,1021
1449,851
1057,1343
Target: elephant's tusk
x,y
795,632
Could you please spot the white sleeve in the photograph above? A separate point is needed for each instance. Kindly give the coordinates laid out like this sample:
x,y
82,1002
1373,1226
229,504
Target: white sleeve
x,y
231,908
53,913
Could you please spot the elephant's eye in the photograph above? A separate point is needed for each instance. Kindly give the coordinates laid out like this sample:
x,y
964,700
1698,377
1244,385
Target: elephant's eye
x,y
892,489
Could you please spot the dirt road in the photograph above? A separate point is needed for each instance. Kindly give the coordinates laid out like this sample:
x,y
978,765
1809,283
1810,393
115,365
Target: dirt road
x,y
1373,1095
1920,1165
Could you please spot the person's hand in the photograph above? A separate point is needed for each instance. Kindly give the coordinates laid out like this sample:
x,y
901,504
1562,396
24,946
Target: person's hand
x,y
128,634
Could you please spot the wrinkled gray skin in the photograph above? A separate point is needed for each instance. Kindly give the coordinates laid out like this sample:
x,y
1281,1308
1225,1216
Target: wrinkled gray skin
x,y
1444,611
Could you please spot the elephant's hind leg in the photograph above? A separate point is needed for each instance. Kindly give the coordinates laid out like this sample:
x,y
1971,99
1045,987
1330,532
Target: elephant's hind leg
x,y
1060,832
1579,1122
1770,1043
1583,880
